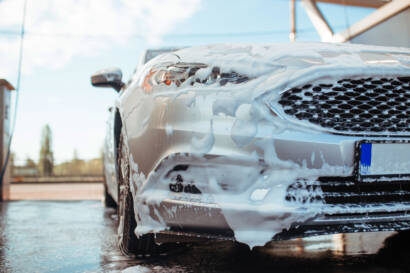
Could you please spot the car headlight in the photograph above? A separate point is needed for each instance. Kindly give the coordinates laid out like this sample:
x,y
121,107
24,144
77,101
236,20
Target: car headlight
x,y
178,73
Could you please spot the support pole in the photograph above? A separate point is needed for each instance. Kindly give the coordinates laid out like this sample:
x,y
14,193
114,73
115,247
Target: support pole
x,y
318,20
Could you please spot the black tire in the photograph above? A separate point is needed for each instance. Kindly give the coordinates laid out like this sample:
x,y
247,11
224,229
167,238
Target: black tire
x,y
396,251
109,202
127,240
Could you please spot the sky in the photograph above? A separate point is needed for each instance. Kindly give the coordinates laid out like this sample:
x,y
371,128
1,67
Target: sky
x,y
67,40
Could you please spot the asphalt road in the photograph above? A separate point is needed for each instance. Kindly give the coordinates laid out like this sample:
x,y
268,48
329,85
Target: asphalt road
x,y
80,236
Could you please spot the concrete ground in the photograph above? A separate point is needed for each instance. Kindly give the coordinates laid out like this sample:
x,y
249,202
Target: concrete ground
x,y
80,236
56,191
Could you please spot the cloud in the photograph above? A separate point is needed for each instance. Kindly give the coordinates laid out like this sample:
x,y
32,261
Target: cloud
x,y
58,31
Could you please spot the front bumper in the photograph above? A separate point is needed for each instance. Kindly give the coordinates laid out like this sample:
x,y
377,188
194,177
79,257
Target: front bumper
x,y
309,188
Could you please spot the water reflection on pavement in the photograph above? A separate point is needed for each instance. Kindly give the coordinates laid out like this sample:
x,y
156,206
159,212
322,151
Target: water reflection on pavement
x,y
80,236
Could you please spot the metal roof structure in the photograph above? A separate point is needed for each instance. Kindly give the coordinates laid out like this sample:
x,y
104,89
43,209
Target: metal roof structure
x,y
358,3
388,24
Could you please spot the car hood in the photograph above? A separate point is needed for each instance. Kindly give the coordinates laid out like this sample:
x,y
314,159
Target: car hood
x,y
285,65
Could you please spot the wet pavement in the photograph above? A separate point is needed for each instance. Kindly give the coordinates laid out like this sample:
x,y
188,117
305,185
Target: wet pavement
x,y
80,236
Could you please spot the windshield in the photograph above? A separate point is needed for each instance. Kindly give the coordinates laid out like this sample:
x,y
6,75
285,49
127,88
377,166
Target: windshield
x,y
152,53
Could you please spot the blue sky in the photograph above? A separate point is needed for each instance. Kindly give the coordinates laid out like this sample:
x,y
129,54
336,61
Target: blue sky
x,y
69,40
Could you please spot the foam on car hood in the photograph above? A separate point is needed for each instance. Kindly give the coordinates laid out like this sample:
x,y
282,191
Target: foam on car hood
x,y
292,62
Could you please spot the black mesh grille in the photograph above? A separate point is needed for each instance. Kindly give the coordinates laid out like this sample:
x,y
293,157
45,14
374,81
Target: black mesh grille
x,y
353,105
344,191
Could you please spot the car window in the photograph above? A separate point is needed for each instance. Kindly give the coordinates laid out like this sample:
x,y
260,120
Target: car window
x,y
152,53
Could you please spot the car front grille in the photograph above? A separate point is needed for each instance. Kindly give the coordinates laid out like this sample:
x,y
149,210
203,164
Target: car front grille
x,y
345,191
358,106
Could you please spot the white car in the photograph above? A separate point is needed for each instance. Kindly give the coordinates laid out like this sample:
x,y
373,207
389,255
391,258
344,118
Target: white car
x,y
255,143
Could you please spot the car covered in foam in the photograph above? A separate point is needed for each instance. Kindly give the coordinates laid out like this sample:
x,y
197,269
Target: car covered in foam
x,y
259,142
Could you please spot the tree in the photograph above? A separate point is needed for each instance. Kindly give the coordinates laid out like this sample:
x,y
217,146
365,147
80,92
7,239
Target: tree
x,y
46,162
77,164
30,163
75,156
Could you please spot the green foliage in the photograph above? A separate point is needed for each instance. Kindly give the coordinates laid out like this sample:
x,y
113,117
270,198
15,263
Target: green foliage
x,y
46,162
79,167
46,167
30,163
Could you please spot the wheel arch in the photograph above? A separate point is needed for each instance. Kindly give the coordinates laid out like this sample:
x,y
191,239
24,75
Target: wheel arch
x,y
117,134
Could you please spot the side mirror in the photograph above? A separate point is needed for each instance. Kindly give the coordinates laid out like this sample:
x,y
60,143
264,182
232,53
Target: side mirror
x,y
111,77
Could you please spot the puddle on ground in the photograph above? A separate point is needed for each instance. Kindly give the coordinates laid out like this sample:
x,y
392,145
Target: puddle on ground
x,y
337,244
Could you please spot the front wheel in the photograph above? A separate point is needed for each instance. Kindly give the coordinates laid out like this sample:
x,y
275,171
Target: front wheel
x,y
127,240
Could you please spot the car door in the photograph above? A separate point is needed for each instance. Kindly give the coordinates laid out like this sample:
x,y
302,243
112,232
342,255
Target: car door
x,y
109,156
